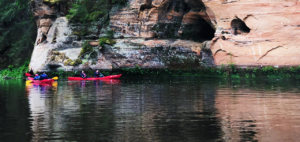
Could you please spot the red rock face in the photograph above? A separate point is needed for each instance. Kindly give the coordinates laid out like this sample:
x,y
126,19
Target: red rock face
x,y
273,36
164,19
244,32
45,15
248,32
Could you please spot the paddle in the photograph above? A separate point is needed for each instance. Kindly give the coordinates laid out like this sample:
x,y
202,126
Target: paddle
x,y
55,78
28,74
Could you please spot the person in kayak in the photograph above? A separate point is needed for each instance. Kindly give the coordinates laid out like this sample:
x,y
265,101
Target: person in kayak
x,y
37,77
31,72
44,76
83,75
98,74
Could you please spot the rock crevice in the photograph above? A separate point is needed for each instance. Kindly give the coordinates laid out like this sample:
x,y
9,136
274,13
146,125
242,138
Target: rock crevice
x,y
173,33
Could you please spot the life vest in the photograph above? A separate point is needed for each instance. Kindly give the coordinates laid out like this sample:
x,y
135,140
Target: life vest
x,y
37,77
44,76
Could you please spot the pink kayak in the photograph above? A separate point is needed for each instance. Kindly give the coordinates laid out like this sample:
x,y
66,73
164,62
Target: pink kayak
x,y
94,78
40,81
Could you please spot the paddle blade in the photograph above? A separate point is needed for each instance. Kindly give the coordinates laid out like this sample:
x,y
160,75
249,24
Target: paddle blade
x,y
55,78
28,74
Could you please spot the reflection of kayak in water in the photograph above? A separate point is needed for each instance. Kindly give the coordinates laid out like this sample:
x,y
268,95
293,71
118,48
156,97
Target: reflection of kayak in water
x,y
42,84
98,82
99,78
111,81
40,81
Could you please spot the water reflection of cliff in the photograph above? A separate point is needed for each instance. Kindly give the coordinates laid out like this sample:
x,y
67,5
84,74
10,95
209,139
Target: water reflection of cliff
x,y
249,115
166,110
78,111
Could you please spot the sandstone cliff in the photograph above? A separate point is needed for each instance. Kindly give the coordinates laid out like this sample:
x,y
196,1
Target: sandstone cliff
x,y
261,32
172,34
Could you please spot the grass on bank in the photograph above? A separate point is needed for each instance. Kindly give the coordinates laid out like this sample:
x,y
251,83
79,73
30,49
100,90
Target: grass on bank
x,y
224,71
229,71
13,72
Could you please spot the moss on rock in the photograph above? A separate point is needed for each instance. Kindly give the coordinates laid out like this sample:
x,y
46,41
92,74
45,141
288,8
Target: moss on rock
x,y
105,40
85,49
83,32
53,1
76,33
68,62
75,62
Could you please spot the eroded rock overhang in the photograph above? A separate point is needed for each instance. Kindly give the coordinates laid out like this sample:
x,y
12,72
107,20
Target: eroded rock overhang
x,y
243,32
150,34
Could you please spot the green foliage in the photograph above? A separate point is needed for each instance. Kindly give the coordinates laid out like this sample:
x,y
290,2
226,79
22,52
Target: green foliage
x,y
280,73
68,62
235,76
292,69
10,67
87,48
110,34
86,11
76,62
268,69
17,32
255,69
53,1
15,73
225,74
61,73
135,70
82,32
105,40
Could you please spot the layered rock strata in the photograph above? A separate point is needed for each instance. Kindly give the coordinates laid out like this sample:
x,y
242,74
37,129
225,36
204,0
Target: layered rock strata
x,y
148,34
172,34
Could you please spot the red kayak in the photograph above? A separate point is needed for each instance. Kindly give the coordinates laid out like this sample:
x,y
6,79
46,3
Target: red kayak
x,y
94,78
40,81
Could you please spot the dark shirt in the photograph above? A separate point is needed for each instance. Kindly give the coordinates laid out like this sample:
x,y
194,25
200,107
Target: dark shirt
x,y
44,76
82,75
99,74
96,74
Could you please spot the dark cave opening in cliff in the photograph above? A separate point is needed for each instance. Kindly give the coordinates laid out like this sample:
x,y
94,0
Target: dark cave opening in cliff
x,y
199,31
238,26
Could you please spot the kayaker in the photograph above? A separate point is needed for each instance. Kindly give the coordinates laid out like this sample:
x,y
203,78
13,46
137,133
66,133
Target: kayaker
x,y
31,72
98,74
37,77
44,76
82,74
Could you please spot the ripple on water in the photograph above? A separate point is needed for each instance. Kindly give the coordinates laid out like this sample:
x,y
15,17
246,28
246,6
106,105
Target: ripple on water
x,y
178,109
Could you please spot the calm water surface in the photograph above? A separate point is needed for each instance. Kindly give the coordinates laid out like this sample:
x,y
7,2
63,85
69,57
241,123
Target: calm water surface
x,y
140,110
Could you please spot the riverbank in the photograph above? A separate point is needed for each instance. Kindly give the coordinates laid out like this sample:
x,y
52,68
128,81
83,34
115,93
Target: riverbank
x,y
14,72
223,71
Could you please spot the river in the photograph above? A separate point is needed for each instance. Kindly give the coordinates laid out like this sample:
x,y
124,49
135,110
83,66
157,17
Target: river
x,y
151,109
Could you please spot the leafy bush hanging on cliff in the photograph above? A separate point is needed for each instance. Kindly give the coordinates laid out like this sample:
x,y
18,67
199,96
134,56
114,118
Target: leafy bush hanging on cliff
x,y
86,11
17,32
